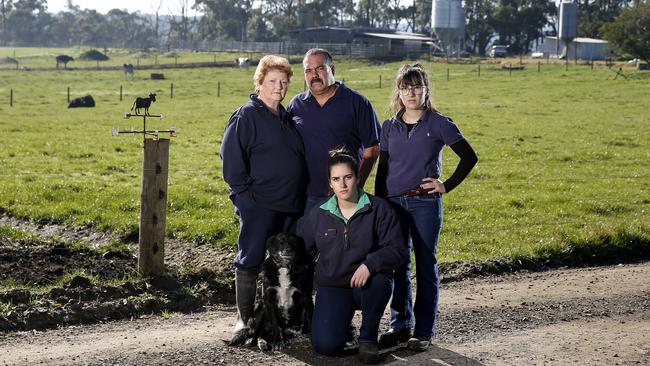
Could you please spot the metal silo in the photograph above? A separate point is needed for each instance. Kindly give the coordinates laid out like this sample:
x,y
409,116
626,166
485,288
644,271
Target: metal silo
x,y
448,23
568,28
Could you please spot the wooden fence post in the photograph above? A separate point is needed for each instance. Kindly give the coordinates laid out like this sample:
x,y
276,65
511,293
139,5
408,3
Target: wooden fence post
x,y
479,69
68,94
447,74
11,97
171,91
218,88
120,93
379,81
153,206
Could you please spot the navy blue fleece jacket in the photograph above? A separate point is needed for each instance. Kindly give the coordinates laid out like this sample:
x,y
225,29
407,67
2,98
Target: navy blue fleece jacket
x,y
263,156
373,236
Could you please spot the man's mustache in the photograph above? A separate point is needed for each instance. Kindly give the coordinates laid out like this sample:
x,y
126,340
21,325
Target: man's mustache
x,y
314,80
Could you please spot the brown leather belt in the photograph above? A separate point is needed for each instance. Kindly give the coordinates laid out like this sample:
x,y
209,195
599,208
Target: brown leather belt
x,y
416,192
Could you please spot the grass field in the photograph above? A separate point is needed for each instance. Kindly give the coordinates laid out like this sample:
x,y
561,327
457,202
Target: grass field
x,y
38,58
563,153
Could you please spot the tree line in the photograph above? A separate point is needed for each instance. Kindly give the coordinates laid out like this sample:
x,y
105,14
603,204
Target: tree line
x,y
517,23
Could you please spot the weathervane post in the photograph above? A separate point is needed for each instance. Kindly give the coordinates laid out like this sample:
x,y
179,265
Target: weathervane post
x,y
153,199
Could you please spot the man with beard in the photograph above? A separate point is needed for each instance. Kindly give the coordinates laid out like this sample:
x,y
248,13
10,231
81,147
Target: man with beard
x,y
330,115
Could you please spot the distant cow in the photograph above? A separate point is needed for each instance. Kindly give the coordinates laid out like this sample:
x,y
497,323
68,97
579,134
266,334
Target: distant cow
x,y
128,70
64,59
243,61
86,101
143,103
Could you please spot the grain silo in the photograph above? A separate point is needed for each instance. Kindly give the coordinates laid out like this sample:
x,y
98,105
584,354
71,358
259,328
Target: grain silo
x,y
568,24
568,28
448,23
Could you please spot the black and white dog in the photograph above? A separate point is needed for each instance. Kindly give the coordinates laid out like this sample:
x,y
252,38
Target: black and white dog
x,y
285,307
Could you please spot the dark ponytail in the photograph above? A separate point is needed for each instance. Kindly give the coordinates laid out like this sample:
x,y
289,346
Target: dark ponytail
x,y
341,155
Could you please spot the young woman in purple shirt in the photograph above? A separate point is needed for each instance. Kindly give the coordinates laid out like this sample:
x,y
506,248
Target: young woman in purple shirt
x,y
408,174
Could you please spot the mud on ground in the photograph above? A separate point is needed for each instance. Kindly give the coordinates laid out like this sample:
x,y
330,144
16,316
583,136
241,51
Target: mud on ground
x,y
52,280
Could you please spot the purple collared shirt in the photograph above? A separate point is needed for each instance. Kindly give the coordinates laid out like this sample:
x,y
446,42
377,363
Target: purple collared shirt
x,y
416,155
347,119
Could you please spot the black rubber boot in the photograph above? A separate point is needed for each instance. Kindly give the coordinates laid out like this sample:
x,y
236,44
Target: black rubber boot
x,y
245,291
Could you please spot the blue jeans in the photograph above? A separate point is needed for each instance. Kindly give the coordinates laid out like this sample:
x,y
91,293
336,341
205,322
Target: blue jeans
x,y
335,308
423,216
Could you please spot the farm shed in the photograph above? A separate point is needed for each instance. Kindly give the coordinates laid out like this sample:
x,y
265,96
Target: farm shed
x,y
384,42
581,47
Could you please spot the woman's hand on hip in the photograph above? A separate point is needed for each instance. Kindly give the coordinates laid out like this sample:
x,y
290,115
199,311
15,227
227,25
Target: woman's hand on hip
x,y
433,185
360,276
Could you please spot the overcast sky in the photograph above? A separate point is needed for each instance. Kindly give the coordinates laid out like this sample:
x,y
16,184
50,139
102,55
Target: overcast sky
x,y
103,6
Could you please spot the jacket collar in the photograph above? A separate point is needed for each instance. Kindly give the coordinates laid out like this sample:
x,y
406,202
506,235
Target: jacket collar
x,y
332,205
257,102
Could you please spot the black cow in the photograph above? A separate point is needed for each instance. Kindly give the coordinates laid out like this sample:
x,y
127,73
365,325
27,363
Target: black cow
x,y
285,307
143,103
85,101
64,59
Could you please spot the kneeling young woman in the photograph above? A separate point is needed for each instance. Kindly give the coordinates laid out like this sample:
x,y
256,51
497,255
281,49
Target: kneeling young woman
x,y
359,242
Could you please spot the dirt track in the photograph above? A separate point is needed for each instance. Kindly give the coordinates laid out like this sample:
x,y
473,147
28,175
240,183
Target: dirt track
x,y
592,316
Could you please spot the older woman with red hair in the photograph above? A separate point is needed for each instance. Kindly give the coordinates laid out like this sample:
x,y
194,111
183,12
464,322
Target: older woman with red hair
x,y
264,165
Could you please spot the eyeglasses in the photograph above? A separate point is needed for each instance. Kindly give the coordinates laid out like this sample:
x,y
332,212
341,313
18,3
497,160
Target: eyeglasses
x,y
316,69
407,90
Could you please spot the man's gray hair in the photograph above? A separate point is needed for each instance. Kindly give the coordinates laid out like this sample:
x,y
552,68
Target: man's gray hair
x,y
319,51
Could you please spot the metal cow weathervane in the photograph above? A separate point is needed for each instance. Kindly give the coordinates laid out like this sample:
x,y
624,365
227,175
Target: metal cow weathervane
x,y
153,204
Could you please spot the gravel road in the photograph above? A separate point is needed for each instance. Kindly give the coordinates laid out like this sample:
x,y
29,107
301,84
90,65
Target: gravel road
x,y
586,316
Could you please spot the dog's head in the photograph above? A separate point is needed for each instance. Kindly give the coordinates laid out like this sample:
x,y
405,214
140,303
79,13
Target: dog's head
x,y
285,249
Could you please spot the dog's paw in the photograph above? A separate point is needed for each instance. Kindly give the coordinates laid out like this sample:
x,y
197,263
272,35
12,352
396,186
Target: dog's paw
x,y
262,345
250,342
278,346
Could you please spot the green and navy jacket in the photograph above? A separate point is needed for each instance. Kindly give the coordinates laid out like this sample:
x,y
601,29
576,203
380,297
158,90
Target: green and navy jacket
x,y
372,236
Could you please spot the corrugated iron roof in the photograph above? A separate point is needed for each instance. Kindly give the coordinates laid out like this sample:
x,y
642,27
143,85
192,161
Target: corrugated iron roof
x,y
403,36
583,40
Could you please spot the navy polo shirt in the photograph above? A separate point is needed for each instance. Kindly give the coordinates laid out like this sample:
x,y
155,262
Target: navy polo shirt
x,y
263,156
416,155
347,118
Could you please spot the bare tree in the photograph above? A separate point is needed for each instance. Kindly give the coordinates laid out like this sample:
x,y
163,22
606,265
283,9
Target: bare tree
x,y
156,26
5,7
180,29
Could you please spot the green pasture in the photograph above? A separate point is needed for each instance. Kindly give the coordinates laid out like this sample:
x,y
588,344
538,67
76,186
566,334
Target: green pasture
x,y
563,153
39,58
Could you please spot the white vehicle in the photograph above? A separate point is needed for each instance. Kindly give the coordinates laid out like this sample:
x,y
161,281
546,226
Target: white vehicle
x,y
498,51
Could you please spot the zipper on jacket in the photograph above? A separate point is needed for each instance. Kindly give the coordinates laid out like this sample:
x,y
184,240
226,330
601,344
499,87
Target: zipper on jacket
x,y
346,237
